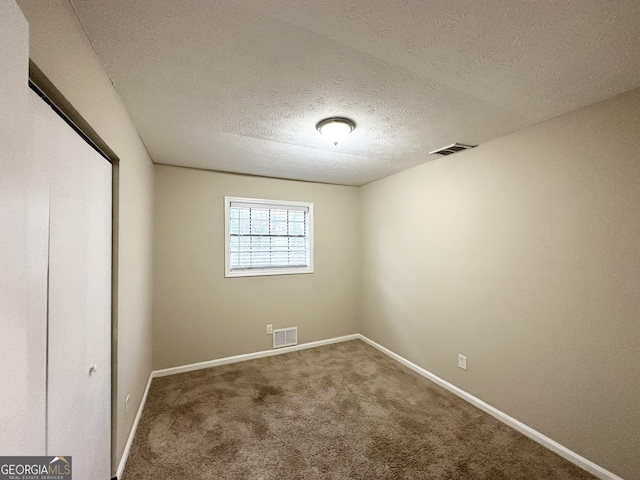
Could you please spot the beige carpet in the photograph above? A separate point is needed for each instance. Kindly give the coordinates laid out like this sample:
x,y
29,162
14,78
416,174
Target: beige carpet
x,y
343,411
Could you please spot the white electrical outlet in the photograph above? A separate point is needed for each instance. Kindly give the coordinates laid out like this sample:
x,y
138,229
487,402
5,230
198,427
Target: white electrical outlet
x,y
269,329
462,361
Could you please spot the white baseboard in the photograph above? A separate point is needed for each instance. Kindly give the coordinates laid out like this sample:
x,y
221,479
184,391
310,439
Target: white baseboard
x,y
543,440
251,356
132,433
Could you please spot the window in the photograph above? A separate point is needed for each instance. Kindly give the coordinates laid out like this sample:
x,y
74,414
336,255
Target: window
x,y
267,237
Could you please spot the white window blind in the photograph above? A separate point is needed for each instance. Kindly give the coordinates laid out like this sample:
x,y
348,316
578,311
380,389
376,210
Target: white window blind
x,y
268,237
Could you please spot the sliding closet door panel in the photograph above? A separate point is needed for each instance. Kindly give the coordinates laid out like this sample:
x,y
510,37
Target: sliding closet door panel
x,y
79,322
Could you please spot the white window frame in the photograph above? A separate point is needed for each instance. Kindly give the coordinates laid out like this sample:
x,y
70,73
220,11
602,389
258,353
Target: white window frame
x,y
255,272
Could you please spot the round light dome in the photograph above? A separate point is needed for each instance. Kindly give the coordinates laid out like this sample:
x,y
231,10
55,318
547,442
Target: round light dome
x,y
335,129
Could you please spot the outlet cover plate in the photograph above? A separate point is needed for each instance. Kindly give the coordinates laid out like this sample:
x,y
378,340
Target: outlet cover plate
x,y
462,361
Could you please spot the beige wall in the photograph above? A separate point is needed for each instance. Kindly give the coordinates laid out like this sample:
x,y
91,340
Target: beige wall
x,y
60,48
24,211
200,315
522,254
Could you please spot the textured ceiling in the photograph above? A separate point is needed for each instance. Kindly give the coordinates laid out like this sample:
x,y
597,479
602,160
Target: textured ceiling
x,y
239,86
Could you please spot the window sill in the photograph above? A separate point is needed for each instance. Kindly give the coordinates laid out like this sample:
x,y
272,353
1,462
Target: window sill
x,y
257,272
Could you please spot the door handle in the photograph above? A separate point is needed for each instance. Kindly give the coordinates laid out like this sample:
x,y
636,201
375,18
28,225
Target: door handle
x,y
93,369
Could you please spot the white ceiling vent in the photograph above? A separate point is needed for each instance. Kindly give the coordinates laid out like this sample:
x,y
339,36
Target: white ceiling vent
x,y
285,337
453,148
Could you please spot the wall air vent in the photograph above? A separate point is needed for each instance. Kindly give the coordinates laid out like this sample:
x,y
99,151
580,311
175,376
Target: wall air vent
x,y
285,337
453,148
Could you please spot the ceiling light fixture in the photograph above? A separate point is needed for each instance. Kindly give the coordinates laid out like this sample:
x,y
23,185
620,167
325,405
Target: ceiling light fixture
x,y
335,129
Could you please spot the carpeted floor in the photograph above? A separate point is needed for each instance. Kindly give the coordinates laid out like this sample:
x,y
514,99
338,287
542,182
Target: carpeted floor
x,y
343,411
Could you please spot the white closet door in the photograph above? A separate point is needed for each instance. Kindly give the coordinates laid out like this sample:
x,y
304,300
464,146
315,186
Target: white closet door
x,y
79,321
